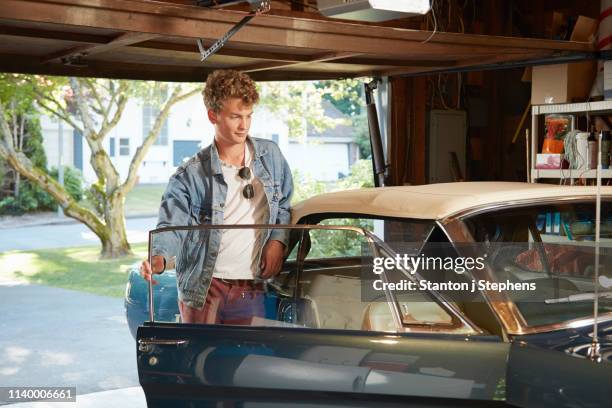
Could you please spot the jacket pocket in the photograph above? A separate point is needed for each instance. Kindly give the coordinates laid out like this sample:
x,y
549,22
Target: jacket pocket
x,y
277,192
200,215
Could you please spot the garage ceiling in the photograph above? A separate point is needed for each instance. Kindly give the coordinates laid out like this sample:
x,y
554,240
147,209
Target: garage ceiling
x,y
156,40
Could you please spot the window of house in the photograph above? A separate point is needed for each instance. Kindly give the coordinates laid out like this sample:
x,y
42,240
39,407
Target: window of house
x,y
149,115
124,147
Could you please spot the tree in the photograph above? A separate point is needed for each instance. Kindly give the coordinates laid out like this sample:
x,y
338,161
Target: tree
x,y
93,107
299,103
17,195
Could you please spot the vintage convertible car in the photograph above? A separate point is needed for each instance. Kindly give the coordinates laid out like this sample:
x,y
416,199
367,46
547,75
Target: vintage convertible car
x,y
515,330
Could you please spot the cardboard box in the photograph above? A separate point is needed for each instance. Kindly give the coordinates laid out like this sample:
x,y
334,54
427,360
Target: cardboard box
x,y
584,29
562,83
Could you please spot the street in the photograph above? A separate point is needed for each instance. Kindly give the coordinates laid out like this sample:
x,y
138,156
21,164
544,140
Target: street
x,y
66,235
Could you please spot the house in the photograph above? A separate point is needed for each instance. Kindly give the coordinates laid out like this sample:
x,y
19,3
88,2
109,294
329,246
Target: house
x,y
323,156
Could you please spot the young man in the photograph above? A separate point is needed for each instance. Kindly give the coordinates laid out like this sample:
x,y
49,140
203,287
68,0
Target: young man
x,y
235,180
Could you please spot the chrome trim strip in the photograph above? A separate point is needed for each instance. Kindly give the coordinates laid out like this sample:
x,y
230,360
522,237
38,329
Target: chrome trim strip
x,y
570,324
358,230
516,203
505,310
395,312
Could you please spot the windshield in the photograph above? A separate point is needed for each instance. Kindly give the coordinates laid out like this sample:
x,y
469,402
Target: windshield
x,y
551,247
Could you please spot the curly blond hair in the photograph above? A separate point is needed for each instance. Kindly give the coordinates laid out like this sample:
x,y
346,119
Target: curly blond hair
x,y
223,84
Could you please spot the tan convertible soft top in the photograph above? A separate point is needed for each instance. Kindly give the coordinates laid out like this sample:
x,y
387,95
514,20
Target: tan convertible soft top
x,y
435,201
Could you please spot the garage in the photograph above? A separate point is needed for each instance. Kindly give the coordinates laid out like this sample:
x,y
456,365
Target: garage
x,y
472,268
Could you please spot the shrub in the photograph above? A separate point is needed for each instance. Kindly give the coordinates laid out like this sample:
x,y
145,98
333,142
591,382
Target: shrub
x,y
33,198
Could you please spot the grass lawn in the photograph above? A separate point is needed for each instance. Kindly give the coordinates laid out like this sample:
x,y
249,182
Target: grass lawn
x,y
71,268
144,199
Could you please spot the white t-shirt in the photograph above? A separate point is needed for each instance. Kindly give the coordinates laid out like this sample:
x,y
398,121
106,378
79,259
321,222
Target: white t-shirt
x,y
239,248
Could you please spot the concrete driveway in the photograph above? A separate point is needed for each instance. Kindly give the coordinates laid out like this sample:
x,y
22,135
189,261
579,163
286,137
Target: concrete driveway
x,y
59,337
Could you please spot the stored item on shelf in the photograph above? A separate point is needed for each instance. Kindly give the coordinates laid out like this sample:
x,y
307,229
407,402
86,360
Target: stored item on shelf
x,y
607,80
562,83
592,140
565,83
581,152
550,161
557,127
605,149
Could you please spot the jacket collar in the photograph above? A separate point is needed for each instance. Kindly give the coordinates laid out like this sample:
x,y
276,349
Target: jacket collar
x,y
213,154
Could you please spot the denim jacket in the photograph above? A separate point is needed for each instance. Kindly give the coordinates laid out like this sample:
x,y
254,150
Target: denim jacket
x,y
196,195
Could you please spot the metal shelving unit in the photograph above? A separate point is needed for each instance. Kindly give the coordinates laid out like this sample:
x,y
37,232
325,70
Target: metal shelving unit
x,y
564,108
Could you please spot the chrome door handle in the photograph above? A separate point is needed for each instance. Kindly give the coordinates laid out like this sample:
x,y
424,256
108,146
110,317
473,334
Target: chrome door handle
x,y
145,344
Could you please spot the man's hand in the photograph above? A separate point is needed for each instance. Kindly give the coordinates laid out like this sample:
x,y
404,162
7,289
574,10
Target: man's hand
x,y
156,267
271,259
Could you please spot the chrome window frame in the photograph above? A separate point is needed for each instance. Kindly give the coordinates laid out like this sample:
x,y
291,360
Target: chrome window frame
x,y
465,326
392,306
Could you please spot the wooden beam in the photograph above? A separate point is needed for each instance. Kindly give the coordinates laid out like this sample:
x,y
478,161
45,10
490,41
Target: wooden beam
x,y
124,70
468,62
417,112
159,44
121,40
284,32
276,65
191,50
399,132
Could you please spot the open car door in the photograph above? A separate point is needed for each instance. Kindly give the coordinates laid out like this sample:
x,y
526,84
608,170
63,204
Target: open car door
x,y
322,341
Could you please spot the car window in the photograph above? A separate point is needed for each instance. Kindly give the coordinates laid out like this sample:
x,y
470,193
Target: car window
x,y
319,285
550,247
417,309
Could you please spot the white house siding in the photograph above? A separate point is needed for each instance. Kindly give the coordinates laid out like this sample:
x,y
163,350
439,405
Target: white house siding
x,y
322,159
50,132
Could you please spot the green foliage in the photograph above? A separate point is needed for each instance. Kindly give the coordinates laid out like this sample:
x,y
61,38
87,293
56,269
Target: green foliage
x,y
33,198
299,104
305,187
361,176
336,243
361,135
73,181
33,146
30,197
94,197
346,94
16,94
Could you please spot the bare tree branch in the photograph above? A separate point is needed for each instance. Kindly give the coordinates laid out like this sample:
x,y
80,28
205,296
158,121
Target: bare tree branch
x,y
58,112
99,109
142,150
101,163
107,126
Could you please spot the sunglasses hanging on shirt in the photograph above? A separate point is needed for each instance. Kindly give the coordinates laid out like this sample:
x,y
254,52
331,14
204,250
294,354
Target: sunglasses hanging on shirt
x,y
248,191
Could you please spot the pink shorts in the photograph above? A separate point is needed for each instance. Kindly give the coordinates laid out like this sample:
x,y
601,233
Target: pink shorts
x,y
229,301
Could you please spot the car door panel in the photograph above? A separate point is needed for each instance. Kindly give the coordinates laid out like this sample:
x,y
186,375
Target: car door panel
x,y
306,363
541,378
